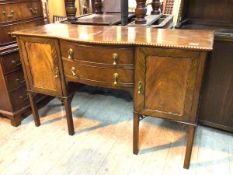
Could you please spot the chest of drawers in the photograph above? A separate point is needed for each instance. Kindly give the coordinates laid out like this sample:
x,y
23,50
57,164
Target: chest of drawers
x,y
15,15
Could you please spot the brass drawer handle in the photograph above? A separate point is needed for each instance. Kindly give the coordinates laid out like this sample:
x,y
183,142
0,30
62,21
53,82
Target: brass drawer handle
x,y
70,54
34,11
140,88
23,97
56,74
115,58
17,63
11,14
115,79
4,12
73,71
20,81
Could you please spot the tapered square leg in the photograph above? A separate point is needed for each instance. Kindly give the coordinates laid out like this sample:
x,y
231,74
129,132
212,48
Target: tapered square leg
x,y
69,118
34,108
189,146
135,133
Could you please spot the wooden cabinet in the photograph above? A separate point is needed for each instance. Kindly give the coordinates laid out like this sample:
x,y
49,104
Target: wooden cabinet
x,y
166,82
15,15
167,85
43,69
44,77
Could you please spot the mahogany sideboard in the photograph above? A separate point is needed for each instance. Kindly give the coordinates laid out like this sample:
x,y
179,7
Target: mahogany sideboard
x,y
164,67
15,15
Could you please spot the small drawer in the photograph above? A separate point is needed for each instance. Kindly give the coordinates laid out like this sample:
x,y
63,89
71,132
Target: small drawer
x,y
19,98
15,80
19,11
98,54
11,63
98,75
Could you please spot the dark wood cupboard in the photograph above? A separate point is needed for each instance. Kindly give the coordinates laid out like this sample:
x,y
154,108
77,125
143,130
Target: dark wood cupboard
x,y
15,15
216,102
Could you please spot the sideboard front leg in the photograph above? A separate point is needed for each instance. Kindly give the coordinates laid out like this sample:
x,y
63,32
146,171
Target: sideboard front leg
x,y
136,120
34,109
69,118
189,146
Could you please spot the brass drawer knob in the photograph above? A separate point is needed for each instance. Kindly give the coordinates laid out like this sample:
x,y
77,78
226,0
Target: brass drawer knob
x,y
115,58
140,88
23,97
56,73
73,71
115,79
70,54
17,63
20,81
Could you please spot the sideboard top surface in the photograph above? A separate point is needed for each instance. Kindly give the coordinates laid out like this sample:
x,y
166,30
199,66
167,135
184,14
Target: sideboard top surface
x,y
118,35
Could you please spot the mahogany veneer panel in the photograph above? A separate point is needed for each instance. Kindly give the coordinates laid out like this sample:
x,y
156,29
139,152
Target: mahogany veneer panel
x,y
166,83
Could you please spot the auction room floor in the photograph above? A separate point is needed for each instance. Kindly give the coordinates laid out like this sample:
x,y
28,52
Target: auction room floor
x,y
102,144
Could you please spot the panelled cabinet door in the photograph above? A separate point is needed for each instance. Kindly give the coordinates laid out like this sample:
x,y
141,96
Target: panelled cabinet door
x,y
42,65
167,82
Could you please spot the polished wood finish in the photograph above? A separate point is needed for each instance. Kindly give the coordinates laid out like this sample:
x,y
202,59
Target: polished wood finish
x,y
216,96
164,71
70,10
47,77
155,7
127,36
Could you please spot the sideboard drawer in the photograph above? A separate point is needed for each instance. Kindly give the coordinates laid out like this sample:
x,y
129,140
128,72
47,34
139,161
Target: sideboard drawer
x,y
15,80
11,63
98,54
101,75
19,11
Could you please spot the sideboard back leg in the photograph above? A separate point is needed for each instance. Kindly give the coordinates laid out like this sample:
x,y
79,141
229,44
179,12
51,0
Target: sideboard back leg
x,y
136,119
34,108
189,146
67,105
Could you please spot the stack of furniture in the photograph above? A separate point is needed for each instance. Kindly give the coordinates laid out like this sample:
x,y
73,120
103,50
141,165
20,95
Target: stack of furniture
x,y
15,15
216,103
114,12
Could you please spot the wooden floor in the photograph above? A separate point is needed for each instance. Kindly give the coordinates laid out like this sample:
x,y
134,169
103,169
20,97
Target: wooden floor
x,y
102,144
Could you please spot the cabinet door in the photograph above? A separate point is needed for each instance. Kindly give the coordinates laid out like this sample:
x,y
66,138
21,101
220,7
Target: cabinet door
x,y
42,64
168,83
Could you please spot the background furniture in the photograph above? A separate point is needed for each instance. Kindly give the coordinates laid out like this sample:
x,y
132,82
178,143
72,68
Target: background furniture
x,y
216,102
168,71
15,15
